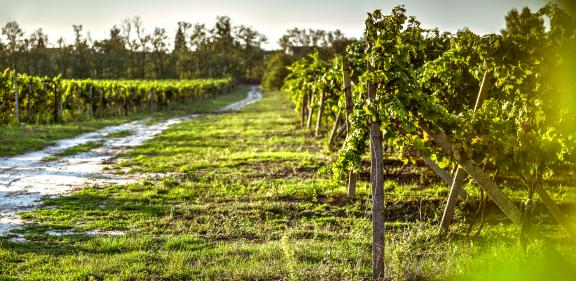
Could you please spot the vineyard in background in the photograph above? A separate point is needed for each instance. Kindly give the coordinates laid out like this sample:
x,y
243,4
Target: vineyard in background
x,y
484,106
37,100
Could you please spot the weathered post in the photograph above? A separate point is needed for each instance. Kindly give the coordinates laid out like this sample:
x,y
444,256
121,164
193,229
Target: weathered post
x,y
101,104
352,177
377,163
334,132
29,102
320,113
91,101
16,99
459,176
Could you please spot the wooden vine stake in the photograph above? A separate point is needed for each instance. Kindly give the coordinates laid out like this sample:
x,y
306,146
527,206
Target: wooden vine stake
x,y
334,131
125,102
29,102
16,99
320,113
56,104
150,101
310,113
377,164
91,102
101,104
459,176
352,177
478,175
556,212
444,175
303,110
61,103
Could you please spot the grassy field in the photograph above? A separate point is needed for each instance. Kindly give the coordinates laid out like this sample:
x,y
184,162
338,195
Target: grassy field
x,y
16,140
250,196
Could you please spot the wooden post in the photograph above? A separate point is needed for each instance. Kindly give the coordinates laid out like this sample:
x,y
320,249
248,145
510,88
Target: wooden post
x,y
556,212
479,176
16,99
28,103
486,183
91,101
320,113
309,123
377,164
135,96
56,103
455,191
79,94
61,101
456,188
303,109
495,193
150,99
352,177
125,102
101,92
347,91
334,132
444,175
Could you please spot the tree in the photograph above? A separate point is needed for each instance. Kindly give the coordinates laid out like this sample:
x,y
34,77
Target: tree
x,y
126,27
81,53
111,53
223,46
14,35
276,71
180,38
38,53
142,45
63,57
251,53
159,50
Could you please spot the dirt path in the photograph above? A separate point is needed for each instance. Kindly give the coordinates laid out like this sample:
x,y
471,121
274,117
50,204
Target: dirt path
x,y
26,179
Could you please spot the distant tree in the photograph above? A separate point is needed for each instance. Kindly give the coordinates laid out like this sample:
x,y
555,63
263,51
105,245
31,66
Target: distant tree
x,y
142,45
180,38
181,52
276,71
159,50
63,55
81,67
223,47
199,52
38,53
111,55
14,35
302,42
251,53
132,45
521,23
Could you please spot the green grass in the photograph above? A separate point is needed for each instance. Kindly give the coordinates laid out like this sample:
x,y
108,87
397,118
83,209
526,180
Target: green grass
x,y
74,150
16,140
249,196
119,134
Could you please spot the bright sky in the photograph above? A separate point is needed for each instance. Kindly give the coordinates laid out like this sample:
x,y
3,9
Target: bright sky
x,y
270,17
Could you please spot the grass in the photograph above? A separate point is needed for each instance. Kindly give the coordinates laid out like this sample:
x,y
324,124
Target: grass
x,y
17,140
119,134
74,150
249,196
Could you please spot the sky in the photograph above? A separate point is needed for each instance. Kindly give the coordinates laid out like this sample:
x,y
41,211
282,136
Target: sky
x,y
270,17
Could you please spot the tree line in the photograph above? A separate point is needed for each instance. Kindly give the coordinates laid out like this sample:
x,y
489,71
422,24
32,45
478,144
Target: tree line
x,y
131,52
196,51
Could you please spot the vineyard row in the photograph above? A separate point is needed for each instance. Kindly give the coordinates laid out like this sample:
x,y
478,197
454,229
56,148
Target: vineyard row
x,y
33,99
